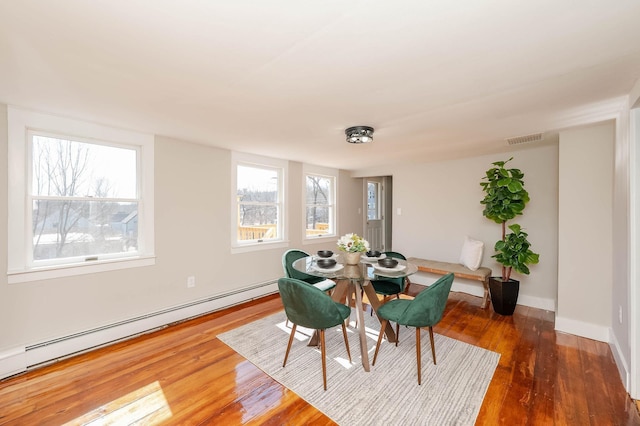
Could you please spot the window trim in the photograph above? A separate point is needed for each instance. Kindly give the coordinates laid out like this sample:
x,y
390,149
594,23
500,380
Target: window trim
x,y
309,169
20,123
250,160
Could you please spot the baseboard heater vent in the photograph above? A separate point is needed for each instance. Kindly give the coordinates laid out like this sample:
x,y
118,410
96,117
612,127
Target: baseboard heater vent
x,y
62,347
535,137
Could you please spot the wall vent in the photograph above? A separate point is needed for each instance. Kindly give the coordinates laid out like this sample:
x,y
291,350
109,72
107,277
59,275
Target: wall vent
x,y
535,137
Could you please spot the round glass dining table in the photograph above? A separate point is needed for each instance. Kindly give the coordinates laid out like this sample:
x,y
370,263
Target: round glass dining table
x,y
350,280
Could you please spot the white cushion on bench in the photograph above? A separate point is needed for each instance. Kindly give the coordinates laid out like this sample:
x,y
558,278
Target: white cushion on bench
x,y
471,255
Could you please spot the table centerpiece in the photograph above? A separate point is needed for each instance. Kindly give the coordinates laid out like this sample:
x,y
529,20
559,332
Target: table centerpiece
x,y
353,246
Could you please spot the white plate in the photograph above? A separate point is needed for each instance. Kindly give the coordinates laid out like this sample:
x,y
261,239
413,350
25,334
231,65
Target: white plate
x,y
372,259
394,269
335,268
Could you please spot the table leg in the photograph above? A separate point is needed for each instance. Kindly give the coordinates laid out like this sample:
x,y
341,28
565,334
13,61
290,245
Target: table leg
x,y
375,304
361,330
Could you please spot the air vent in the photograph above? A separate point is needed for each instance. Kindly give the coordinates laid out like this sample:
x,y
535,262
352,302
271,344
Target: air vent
x,y
536,137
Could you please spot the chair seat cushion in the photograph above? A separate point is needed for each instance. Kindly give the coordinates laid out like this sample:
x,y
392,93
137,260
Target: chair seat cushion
x,y
386,288
393,309
325,285
344,310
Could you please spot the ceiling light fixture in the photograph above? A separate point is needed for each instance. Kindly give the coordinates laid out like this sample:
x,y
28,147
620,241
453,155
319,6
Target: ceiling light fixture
x,y
359,134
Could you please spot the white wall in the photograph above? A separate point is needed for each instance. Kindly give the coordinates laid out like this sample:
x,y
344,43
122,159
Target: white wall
x,y
585,213
192,227
440,205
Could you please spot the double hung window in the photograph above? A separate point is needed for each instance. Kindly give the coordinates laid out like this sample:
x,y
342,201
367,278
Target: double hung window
x,y
320,202
84,200
78,197
258,188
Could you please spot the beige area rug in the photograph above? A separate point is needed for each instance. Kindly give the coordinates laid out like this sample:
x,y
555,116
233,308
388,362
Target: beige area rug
x,y
451,392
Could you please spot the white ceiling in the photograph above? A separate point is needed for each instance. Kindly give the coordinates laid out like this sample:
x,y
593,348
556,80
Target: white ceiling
x,y
437,79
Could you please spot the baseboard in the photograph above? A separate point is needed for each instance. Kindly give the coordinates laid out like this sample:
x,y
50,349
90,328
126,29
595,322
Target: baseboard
x,y
18,360
12,362
583,329
621,363
475,288
537,302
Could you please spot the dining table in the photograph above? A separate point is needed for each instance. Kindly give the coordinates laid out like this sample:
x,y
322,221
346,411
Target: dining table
x,y
351,282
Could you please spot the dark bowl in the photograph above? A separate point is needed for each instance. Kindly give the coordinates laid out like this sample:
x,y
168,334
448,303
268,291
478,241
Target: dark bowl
x,y
326,263
388,262
325,253
373,253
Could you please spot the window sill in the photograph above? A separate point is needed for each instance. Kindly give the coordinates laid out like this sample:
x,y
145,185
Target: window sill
x,y
319,240
259,246
59,271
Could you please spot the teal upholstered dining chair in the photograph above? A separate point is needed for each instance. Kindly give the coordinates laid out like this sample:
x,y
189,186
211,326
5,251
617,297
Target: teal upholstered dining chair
x,y
310,307
390,286
425,310
291,256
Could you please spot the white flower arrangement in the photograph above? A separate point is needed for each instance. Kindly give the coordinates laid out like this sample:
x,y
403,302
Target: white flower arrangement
x,y
353,243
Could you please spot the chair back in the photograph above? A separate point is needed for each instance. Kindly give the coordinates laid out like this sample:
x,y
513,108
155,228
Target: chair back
x,y
308,306
291,256
427,308
400,282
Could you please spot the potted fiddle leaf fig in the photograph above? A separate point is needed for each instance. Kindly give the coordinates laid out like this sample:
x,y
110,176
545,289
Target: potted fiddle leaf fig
x,y
505,198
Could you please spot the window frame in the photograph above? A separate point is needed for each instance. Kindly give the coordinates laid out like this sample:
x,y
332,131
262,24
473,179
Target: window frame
x,y
333,174
267,163
21,124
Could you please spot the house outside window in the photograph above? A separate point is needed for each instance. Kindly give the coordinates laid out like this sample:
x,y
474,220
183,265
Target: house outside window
x,y
258,202
81,197
320,202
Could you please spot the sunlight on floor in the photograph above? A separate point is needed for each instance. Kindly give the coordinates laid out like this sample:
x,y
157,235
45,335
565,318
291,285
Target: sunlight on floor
x,y
146,405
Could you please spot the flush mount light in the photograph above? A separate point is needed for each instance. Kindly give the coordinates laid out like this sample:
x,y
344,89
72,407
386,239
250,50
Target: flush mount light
x,y
359,134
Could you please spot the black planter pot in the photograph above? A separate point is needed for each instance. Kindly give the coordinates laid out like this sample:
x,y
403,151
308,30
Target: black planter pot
x,y
504,295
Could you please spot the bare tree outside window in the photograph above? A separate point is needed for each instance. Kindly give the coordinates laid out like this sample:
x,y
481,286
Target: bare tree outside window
x,y
319,205
84,198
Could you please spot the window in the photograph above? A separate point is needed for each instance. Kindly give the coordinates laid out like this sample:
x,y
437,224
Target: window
x,y
258,188
84,200
373,201
320,205
78,197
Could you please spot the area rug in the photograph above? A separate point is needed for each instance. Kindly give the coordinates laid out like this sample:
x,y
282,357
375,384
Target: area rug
x,y
451,392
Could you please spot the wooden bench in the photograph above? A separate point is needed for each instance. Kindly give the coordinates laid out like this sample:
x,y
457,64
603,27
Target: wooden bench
x,y
482,274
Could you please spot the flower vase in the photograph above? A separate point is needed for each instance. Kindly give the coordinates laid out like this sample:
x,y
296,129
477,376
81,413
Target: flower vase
x,y
352,258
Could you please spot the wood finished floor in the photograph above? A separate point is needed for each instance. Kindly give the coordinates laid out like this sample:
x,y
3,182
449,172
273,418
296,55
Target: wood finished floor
x,y
183,375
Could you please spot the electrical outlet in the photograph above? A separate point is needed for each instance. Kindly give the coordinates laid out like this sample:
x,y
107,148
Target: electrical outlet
x,y
191,281
620,314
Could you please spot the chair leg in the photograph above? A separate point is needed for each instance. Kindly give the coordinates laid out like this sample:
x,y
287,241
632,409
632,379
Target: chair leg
x,y
324,361
433,347
375,355
397,333
346,340
286,355
418,353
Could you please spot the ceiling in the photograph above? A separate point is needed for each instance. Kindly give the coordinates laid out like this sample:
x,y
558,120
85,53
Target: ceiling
x,y
437,79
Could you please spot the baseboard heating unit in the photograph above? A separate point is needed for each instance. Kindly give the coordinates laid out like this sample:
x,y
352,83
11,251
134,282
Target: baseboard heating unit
x,y
20,359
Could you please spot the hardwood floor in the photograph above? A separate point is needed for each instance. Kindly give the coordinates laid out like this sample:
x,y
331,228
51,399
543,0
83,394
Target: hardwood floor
x,y
184,375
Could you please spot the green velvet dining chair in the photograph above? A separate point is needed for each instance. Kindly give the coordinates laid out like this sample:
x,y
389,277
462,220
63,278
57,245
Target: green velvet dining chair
x,y
310,307
291,256
425,310
390,286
